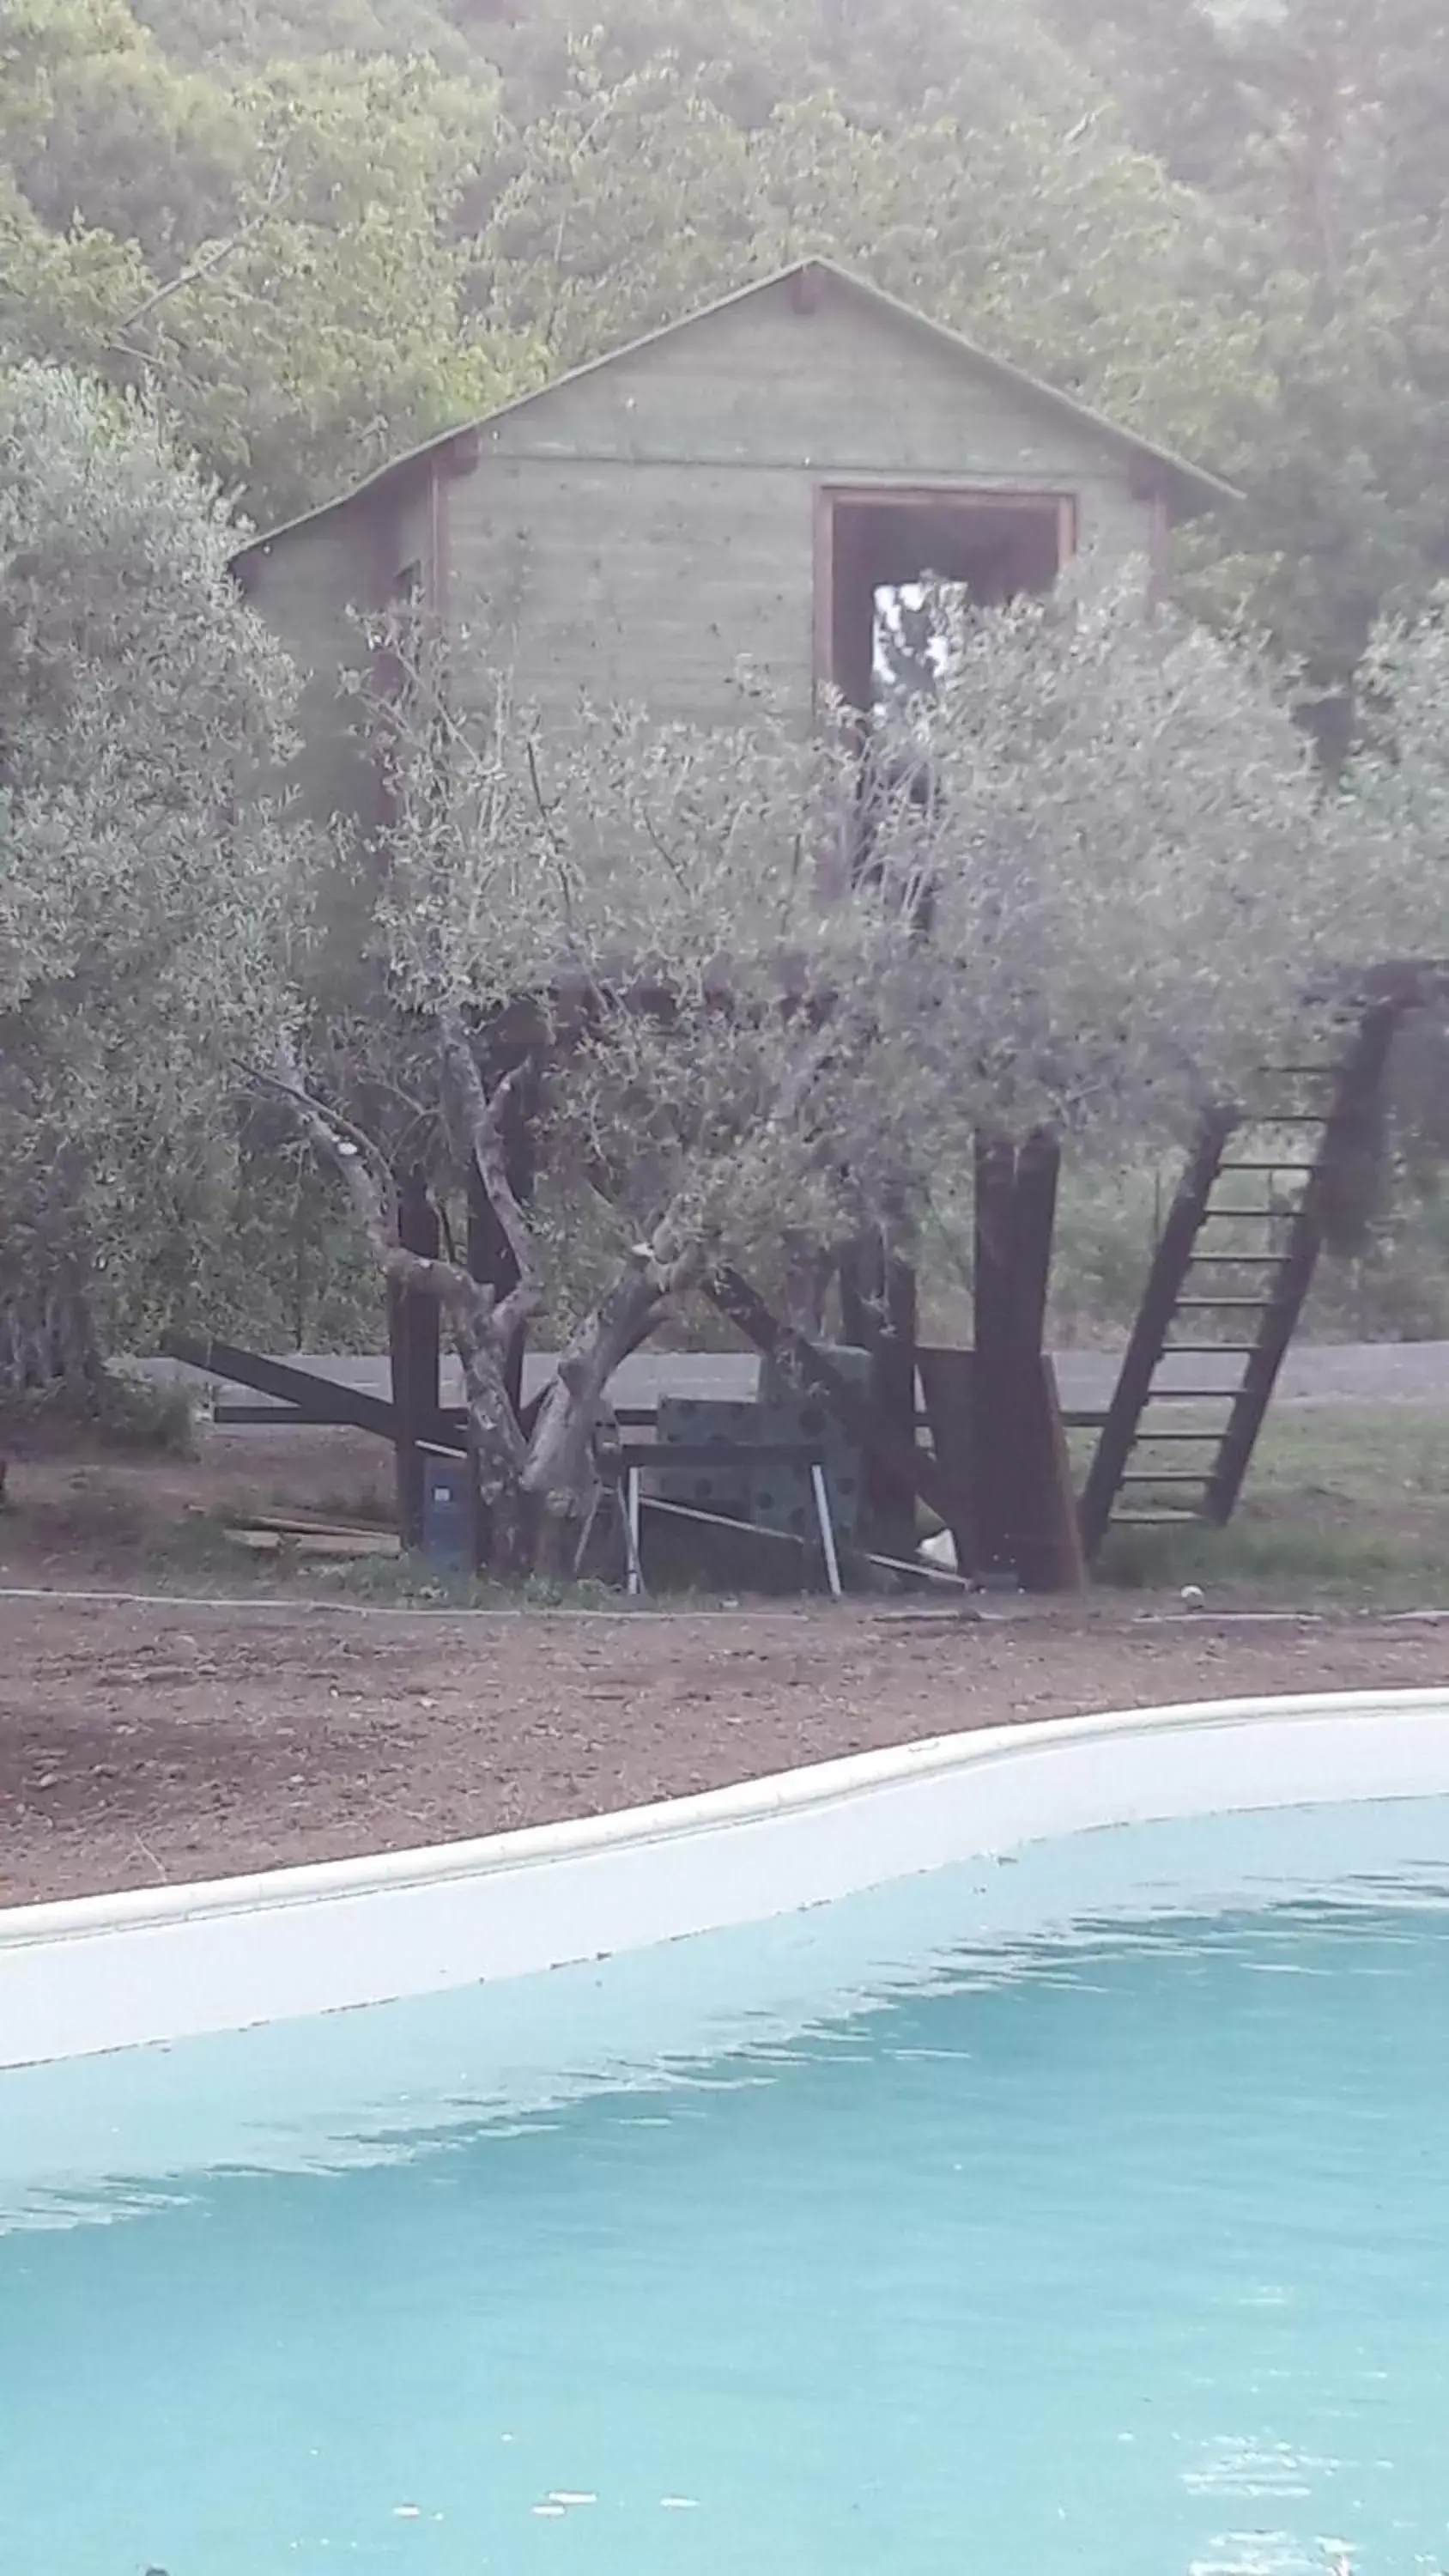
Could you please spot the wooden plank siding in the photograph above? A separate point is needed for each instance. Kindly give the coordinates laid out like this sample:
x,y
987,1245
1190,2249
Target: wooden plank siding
x,y
635,534
636,585
307,587
316,585
844,389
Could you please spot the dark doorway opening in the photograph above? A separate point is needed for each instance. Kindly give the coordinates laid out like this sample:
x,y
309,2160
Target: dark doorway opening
x,y
874,545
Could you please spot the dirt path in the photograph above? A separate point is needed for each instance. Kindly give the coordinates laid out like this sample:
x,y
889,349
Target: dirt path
x,y
139,1745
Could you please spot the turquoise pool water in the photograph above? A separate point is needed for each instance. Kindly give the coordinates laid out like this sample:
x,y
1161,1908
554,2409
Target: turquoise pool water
x,y
1090,2214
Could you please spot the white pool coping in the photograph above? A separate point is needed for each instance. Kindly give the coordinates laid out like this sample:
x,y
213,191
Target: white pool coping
x,y
162,1964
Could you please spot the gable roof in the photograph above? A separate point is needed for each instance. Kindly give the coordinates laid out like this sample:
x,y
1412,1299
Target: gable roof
x,y
1190,487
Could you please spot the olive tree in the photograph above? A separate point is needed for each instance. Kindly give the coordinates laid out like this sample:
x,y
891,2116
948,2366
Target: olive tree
x,y
1398,787
1395,797
148,884
767,994
1140,873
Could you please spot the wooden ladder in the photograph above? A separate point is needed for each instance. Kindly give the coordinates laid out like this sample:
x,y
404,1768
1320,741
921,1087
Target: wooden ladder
x,y
1258,1302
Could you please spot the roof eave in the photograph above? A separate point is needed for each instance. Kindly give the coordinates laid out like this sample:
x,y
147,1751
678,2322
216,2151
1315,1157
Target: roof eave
x,y
1190,488
1192,484
455,450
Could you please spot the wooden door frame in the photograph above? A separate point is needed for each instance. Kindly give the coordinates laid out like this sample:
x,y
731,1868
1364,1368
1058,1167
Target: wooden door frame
x,y
830,497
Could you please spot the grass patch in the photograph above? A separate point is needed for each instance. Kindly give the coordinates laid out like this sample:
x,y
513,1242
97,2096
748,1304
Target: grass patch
x,y
361,1505
1333,1564
113,1535
129,1416
410,1582
1348,1503
100,1530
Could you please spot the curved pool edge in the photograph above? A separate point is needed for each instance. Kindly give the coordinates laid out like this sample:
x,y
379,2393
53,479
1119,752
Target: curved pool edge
x,y
92,1974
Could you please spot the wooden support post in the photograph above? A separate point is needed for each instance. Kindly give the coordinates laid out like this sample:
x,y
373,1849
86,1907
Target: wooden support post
x,y
1047,1540
1034,1216
893,1385
1038,1484
995,1346
1019,1459
414,1340
878,1314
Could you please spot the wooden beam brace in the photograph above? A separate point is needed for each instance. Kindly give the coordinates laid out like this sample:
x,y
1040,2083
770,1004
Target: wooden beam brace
x,y
318,1398
860,1416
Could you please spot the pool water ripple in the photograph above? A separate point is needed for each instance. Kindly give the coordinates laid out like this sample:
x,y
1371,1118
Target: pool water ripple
x,y
1118,2247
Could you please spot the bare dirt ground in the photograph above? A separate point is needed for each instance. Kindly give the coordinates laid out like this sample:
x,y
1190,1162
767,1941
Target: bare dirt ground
x,y
152,1740
138,1746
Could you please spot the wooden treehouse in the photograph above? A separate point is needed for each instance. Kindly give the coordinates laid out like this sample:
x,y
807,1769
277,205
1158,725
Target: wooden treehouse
x,y
754,483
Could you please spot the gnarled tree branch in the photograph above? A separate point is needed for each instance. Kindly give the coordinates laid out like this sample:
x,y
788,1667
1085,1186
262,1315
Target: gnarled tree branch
x,y
477,1125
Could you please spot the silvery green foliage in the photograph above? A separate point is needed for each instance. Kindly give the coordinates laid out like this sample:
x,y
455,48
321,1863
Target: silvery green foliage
x,y
147,883
656,892
1102,879
1140,879
1397,791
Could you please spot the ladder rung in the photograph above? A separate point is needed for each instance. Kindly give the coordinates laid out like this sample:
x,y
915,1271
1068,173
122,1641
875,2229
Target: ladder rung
x,y
1156,1520
1168,1476
1247,1216
1291,1117
1214,1434
1193,1394
1223,1306
1234,1260
1304,1170
1208,1351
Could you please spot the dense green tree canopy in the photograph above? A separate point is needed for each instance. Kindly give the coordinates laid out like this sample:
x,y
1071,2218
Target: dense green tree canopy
x,y
318,258
319,231
1317,131
271,251
297,236
150,895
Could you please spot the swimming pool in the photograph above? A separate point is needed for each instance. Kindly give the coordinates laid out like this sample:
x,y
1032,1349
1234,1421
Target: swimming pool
x,y
1083,2210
